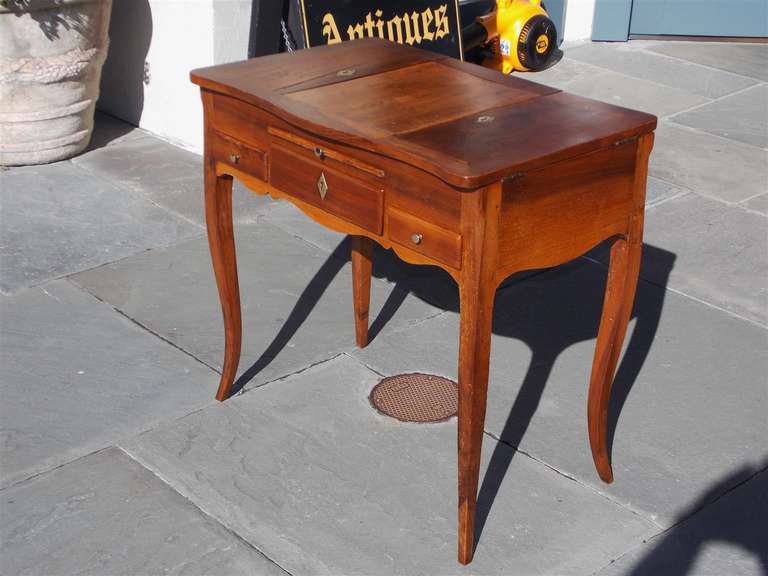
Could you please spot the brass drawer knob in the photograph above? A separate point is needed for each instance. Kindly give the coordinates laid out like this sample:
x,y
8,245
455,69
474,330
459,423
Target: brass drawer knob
x,y
416,238
319,152
234,158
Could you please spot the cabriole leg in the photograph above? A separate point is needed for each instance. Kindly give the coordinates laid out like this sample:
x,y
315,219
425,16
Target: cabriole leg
x,y
218,217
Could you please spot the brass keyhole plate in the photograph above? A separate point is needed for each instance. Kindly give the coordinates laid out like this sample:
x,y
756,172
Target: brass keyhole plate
x,y
322,185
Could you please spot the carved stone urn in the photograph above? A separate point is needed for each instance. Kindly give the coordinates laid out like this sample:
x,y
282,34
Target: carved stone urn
x,y
51,54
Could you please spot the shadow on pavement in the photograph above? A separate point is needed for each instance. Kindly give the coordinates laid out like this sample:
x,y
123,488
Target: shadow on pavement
x,y
738,518
548,310
561,311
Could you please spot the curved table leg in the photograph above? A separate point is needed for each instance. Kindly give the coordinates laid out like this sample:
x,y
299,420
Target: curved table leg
x,y
362,251
218,217
617,309
623,271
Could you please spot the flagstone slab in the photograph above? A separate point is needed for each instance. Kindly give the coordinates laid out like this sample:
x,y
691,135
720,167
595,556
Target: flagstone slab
x,y
286,216
59,219
658,191
742,117
689,400
722,253
636,93
740,58
311,474
727,537
630,59
168,175
758,204
106,514
296,300
77,376
708,164
566,70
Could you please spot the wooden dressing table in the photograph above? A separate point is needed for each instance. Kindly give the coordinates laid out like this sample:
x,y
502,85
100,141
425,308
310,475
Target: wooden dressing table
x,y
448,164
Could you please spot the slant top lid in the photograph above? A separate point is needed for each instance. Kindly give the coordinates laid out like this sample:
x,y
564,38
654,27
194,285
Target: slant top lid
x,y
465,124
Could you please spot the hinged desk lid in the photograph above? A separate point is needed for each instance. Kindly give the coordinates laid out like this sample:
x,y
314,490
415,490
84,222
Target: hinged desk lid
x,y
463,123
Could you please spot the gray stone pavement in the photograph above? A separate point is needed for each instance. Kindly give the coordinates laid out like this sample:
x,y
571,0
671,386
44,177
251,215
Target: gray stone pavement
x,y
115,459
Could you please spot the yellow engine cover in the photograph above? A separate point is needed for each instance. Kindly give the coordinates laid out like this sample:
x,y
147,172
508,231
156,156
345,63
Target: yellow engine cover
x,y
513,25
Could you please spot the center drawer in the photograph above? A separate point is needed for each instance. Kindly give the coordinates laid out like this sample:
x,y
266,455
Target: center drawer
x,y
330,190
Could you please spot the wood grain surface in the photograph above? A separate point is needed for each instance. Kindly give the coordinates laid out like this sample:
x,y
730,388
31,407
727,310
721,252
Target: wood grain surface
x,y
425,109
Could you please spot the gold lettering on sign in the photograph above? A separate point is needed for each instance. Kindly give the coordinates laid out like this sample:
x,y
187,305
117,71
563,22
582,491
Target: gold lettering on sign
x,y
356,32
410,27
426,22
441,22
395,24
330,30
412,35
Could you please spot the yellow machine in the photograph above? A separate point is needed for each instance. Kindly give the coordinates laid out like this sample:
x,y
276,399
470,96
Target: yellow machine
x,y
518,36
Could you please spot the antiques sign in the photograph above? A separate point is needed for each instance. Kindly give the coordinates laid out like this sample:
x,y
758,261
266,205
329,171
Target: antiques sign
x,y
429,24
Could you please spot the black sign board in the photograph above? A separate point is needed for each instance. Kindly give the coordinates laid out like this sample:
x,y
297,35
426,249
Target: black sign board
x,y
429,24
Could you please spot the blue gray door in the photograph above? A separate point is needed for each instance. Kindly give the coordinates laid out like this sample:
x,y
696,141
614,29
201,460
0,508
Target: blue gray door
x,y
618,19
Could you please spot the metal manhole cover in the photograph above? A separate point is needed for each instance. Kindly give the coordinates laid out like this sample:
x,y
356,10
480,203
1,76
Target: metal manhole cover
x,y
416,397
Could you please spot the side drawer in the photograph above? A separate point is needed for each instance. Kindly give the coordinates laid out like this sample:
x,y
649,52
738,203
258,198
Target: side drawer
x,y
424,237
339,194
251,161
231,116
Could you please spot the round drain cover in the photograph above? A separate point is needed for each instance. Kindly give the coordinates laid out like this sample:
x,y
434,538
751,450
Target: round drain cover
x,y
416,397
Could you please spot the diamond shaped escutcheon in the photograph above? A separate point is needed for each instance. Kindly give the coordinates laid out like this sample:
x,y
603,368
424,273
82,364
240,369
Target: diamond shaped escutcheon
x,y
322,185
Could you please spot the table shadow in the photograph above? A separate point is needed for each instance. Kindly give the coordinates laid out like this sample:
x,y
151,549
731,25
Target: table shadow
x,y
549,310
739,520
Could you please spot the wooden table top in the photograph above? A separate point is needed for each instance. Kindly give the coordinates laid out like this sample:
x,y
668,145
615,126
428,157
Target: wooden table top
x,y
463,123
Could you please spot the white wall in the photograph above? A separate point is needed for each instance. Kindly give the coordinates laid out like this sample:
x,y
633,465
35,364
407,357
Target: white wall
x,y
154,45
578,19
231,25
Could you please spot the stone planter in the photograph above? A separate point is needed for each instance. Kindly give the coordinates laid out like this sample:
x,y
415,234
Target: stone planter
x,y
51,53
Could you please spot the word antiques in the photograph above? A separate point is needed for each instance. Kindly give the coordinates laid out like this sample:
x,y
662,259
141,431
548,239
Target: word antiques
x,y
411,28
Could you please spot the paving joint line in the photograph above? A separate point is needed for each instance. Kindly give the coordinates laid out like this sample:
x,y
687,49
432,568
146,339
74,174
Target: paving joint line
x,y
118,183
711,101
739,205
690,297
39,473
763,193
686,190
753,211
679,59
725,140
68,275
142,326
358,361
245,389
294,234
662,201
150,428
682,520
650,81
574,479
722,495
157,474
